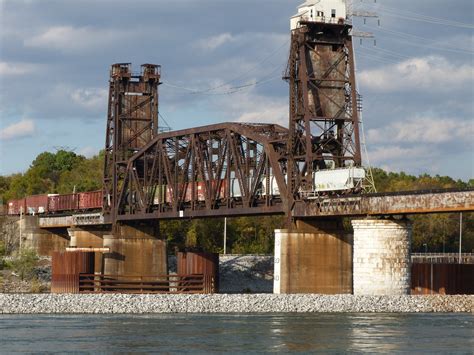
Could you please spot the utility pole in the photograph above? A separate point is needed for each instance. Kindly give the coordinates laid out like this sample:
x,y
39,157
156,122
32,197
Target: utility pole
x,y
460,236
225,235
21,232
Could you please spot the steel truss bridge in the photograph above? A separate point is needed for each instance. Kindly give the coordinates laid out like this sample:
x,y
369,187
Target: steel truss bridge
x,y
236,169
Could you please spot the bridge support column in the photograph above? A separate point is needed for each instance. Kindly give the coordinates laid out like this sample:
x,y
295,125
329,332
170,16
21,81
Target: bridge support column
x,y
89,237
382,256
42,241
316,257
135,250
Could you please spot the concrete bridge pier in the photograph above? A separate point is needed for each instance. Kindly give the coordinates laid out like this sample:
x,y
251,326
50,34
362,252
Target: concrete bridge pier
x,y
382,264
43,241
89,237
314,257
135,250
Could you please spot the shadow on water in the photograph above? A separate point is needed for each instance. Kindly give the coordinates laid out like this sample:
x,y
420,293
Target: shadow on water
x,y
359,333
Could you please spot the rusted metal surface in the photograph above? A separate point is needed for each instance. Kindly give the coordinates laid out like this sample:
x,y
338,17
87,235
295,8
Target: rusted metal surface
x,y
214,160
442,258
15,207
36,204
323,122
67,202
66,267
132,122
314,260
410,202
445,279
196,283
195,263
91,200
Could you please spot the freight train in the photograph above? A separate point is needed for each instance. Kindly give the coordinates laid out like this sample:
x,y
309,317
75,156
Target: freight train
x,y
55,203
325,182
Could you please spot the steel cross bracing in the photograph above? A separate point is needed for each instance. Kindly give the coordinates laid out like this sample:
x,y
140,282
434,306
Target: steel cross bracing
x,y
132,122
323,122
216,170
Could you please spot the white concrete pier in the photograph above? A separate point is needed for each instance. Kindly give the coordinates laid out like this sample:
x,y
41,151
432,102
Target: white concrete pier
x,y
382,257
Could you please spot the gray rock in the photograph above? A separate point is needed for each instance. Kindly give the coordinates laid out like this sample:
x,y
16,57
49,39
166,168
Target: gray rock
x,y
227,303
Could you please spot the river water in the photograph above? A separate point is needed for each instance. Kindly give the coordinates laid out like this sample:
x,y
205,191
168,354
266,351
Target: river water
x,y
253,333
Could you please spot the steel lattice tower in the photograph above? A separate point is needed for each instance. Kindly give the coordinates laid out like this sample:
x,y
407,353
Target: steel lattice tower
x,y
323,117
132,122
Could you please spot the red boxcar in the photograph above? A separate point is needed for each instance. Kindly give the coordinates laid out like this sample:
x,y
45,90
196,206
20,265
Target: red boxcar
x,y
15,206
90,200
67,202
37,204
200,191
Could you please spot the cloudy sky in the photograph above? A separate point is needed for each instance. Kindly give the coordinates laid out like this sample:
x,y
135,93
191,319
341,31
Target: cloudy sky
x,y
222,60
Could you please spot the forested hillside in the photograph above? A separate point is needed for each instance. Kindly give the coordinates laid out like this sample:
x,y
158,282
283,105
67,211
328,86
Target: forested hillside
x,y
65,172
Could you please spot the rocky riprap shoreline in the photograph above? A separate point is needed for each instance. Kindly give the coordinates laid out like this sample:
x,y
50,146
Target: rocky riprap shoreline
x,y
227,303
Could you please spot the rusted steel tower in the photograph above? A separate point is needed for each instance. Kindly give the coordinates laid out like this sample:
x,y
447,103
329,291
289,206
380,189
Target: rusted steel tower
x,y
323,118
132,122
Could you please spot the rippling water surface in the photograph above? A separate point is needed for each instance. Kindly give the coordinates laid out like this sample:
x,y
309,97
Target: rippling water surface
x,y
429,333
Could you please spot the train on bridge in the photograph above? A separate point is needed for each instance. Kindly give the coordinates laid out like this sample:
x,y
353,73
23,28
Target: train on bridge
x,y
56,203
326,182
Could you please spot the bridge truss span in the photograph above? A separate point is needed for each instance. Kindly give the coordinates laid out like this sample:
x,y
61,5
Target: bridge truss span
x,y
215,170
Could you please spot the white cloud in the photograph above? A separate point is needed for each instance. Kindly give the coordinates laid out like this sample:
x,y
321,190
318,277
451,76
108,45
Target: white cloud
x,y
417,159
214,42
92,99
69,38
248,106
12,68
24,128
259,112
423,130
431,73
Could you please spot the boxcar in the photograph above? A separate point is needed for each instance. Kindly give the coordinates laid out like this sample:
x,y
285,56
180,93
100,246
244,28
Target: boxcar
x,y
59,203
36,204
16,206
91,200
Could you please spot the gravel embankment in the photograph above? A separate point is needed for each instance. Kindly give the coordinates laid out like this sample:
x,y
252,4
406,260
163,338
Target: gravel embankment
x,y
228,303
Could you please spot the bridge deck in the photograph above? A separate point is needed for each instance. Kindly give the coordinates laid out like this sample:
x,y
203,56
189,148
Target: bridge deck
x,y
400,203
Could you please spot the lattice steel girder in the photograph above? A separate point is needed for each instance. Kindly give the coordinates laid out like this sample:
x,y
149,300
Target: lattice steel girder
x,y
213,170
400,203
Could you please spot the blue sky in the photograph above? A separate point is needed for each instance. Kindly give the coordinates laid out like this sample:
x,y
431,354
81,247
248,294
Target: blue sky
x,y
417,81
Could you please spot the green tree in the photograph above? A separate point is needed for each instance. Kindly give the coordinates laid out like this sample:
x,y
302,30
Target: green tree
x,y
84,175
24,265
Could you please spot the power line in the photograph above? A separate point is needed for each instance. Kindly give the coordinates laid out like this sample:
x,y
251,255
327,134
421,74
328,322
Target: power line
x,y
234,89
414,16
166,122
208,90
426,42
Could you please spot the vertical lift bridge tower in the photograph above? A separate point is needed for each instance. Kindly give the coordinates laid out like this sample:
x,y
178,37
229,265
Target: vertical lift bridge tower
x,y
323,122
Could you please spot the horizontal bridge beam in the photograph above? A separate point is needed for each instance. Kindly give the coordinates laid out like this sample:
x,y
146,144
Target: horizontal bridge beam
x,y
390,204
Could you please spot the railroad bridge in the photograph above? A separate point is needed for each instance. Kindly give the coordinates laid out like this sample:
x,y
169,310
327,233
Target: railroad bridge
x,y
237,169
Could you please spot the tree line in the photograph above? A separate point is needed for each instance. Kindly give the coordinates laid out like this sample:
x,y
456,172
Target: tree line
x,y
66,172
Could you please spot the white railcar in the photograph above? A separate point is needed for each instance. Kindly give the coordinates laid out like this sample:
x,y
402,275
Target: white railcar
x,y
342,179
